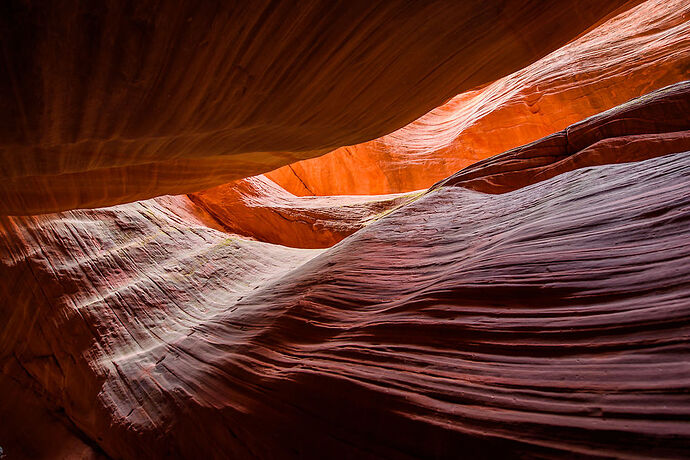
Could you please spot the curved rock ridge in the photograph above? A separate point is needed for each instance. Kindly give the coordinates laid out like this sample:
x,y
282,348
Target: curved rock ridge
x,y
520,342
655,124
638,51
545,321
108,102
258,208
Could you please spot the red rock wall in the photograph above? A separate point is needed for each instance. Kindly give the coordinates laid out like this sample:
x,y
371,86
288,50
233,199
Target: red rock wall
x,y
647,127
534,304
109,102
641,50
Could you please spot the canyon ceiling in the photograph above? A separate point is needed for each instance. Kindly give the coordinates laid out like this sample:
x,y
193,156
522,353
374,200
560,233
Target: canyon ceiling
x,y
326,229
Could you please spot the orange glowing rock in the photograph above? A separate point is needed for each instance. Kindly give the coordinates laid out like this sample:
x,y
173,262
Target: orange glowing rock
x,y
654,125
532,304
643,49
256,207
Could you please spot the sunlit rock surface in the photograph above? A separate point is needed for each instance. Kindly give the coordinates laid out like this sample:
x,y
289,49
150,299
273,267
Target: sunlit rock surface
x,y
256,207
545,321
641,50
87,292
655,124
114,101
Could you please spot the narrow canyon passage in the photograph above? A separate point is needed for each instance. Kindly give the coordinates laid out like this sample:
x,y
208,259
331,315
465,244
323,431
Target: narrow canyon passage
x,y
345,230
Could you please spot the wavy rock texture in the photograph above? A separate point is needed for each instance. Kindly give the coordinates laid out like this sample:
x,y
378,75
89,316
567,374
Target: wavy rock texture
x,y
256,207
655,124
642,129
108,102
546,321
87,292
641,50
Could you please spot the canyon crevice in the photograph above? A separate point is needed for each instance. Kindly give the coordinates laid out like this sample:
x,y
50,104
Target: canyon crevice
x,y
345,230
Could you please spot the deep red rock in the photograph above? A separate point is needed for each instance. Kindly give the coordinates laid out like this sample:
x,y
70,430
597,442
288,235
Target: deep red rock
x,y
534,304
650,126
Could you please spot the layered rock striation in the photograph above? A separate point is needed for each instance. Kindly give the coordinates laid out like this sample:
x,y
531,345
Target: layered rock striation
x,y
545,318
116,101
640,50
533,304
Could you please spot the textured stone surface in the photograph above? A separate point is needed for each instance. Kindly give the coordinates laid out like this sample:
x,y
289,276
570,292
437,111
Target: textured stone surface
x,y
534,304
109,102
654,124
85,293
256,207
546,321
641,50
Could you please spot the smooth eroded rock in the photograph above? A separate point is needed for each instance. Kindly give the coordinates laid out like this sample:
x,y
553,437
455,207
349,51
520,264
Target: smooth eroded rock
x,y
115,101
641,50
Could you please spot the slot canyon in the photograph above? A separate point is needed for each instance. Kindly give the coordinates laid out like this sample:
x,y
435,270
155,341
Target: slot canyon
x,y
321,229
